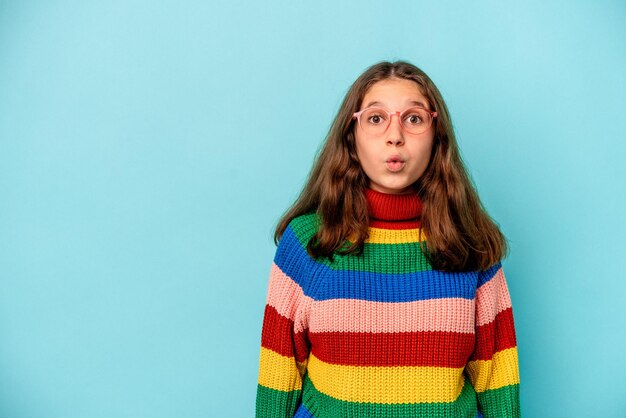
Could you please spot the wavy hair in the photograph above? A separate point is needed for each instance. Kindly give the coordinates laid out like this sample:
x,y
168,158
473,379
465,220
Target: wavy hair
x,y
460,235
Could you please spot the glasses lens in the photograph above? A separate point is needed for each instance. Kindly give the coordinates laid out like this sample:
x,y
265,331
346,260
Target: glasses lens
x,y
374,121
416,120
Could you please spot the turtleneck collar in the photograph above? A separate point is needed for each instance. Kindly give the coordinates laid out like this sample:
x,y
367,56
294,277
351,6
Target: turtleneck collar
x,y
393,211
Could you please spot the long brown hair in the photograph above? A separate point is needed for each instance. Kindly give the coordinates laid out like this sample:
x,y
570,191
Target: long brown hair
x,y
460,235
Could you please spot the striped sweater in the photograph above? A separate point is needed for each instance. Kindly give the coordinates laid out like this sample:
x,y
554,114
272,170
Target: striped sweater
x,y
383,334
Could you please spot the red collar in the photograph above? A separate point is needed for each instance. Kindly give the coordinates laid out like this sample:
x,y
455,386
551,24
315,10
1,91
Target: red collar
x,y
393,211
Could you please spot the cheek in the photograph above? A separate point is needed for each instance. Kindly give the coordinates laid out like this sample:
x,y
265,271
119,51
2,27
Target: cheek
x,y
425,151
366,156
360,151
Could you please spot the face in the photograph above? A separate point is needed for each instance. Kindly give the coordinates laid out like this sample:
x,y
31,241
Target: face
x,y
394,160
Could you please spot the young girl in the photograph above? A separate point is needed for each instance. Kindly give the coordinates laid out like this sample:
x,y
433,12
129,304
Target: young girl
x,y
386,296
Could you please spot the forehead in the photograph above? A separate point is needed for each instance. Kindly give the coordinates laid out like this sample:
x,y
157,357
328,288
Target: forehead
x,y
395,93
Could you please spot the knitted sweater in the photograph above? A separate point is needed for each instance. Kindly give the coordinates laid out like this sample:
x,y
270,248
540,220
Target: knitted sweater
x,y
383,334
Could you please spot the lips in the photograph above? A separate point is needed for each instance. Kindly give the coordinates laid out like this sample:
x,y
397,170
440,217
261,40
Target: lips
x,y
395,163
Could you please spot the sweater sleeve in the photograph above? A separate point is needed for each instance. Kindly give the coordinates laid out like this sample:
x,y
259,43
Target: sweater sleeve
x,y
284,337
493,366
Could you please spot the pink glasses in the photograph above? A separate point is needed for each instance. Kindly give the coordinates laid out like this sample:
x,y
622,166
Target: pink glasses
x,y
376,120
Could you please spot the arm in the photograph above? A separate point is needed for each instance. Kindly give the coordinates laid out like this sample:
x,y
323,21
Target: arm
x,y
493,366
284,336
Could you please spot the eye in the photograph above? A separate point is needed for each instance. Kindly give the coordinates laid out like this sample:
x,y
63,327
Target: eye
x,y
415,117
376,118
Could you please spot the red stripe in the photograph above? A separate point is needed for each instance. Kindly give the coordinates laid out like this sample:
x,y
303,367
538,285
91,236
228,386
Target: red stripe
x,y
423,348
374,223
495,336
449,349
276,335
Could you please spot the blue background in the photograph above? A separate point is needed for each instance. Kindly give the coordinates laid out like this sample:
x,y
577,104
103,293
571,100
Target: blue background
x,y
147,151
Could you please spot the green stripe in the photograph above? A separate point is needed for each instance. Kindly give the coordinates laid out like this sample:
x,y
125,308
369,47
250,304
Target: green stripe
x,y
324,406
272,403
376,258
383,258
501,402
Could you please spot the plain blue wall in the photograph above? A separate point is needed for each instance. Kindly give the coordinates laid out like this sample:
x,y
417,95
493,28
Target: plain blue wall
x,y
147,150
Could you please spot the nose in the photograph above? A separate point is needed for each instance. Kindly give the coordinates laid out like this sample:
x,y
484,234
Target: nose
x,y
395,135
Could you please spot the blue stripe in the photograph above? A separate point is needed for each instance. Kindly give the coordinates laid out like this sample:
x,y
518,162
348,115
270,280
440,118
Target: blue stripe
x,y
302,412
296,263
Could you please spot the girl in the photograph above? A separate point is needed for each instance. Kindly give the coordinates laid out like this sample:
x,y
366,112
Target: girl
x,y
386,296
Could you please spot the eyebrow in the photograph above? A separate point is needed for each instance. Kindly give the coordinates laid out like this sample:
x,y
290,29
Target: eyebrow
x,y
414,102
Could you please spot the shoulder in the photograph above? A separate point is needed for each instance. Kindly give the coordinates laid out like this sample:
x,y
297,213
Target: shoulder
x,y
490,273
299,232
292,246
292,257
304,226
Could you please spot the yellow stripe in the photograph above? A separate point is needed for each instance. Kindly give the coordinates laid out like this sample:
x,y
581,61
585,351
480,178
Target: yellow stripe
x,y
502,370
391,384
394,236
279,372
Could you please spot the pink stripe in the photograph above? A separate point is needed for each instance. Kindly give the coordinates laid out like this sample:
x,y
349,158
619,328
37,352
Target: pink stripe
x,y
491,298
287,297
447,314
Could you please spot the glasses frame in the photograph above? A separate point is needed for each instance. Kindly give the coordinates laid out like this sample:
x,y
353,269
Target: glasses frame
x,y
357,116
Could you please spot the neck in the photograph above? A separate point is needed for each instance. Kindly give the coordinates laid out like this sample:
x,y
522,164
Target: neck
x,y
393,211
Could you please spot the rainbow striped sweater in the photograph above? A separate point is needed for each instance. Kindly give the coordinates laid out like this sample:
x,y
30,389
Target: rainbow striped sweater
x,y
383,334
